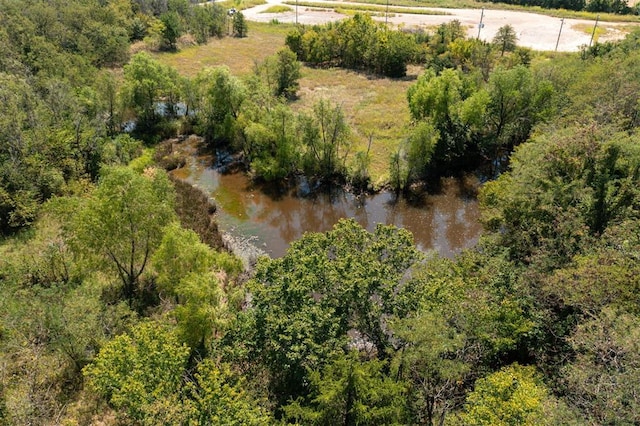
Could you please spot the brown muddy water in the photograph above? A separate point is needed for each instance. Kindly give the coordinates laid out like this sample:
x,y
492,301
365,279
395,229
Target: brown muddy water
x,y
446,222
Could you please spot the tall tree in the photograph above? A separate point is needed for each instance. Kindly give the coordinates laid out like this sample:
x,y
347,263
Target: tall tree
x,y
240,27
506,39
513,395
220,101
328,284
135,370
122,222
146,83
350,392
287,73
172,29
325,136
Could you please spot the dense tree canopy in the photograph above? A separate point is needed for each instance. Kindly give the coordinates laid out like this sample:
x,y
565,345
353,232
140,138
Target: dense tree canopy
x,y
356,43
112,313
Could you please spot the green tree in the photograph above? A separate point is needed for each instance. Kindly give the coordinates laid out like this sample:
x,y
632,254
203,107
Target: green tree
x,y
325,137
506,39
135,370
287,73
146,83
207,21
513,395
326,285
430,359
180,254
201,312
122,222
172,29
187,271
390,53
603,379
421,145
218,396
240,27
446,101
221,98
350,392
272,143
517,101
561,192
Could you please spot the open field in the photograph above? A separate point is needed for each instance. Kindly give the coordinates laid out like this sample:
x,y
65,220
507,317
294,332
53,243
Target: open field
x,y
375,107
239,54
278,9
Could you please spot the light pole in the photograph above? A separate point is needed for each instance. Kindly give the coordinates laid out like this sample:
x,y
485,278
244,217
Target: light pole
x,y
559,32
386,14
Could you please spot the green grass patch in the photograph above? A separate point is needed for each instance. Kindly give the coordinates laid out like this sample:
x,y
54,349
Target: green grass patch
x,y
347,8
588,29
277,9
241,4
603,30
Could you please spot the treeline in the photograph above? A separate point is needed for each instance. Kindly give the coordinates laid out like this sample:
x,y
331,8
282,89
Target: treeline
x,y
357,43
52,131
621,7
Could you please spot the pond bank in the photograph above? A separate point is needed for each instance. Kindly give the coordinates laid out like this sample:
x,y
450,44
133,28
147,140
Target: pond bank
x,y
253,222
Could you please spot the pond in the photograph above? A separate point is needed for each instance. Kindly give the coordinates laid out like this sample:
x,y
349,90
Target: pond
x,y
447,221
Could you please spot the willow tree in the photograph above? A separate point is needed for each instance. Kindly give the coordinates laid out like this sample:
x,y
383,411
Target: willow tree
x,y
122,222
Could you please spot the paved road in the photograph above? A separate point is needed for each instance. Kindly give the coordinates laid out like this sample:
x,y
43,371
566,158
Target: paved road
x,y
539,32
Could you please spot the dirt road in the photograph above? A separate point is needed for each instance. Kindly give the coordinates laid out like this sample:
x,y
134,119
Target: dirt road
x,y
538,32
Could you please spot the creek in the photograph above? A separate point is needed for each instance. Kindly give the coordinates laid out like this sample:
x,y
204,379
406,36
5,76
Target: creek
x,y
446,221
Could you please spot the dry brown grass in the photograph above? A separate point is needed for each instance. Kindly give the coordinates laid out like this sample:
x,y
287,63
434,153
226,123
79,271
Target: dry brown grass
x,y
374,106
239,54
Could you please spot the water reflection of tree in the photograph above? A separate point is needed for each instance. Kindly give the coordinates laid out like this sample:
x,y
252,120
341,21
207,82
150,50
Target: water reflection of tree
x,y
288,220
446,221
326,210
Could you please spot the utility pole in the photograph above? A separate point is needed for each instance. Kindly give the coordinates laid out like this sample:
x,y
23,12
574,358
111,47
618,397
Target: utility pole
x,y
480,25
296,13
386,14
559,32
594,30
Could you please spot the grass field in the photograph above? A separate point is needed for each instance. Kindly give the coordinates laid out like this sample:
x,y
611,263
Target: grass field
x,y
374,106
278,8
241,4
239,54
